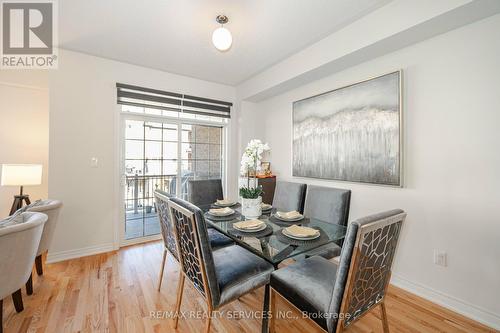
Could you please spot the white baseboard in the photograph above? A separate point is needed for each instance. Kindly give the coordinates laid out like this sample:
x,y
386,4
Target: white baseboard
x,y
53,257
141,240
454,304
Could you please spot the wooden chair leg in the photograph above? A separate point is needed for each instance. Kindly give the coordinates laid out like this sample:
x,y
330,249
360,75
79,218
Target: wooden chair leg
x,y
29,285
272,309
163,262
38,265
180,290
1,315
209,320
340,328
265,308
17,298
385,322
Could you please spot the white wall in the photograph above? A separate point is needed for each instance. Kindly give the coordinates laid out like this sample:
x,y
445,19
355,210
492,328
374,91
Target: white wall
x,y
24,132
84,124
250,127
451,164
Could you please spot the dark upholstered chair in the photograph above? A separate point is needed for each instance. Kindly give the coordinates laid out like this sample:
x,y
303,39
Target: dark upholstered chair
x,y
345,292
217,239
219,276
204,192
289,196
331,205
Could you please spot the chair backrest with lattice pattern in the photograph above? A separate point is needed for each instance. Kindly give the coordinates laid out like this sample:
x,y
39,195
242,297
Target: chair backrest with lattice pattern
x,y
166,226
365,266
193,246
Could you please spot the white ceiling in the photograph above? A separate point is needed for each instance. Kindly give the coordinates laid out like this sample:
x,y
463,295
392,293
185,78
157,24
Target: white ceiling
x,y
175,35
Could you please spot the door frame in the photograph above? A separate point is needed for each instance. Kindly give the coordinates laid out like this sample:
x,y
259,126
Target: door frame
x,y
121,118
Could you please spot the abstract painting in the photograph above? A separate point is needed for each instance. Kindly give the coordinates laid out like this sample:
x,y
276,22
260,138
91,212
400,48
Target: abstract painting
x,y
351,134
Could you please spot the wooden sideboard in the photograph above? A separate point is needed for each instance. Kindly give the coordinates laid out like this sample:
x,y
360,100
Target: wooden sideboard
x,y
268,185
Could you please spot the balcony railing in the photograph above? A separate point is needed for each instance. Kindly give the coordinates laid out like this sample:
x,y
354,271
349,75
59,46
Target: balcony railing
x,y
140,209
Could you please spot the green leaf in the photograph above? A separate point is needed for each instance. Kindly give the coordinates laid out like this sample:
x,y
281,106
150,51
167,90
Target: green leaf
x,y
251,193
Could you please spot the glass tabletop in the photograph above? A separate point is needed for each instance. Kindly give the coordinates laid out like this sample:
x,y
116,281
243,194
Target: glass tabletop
x,y
271,244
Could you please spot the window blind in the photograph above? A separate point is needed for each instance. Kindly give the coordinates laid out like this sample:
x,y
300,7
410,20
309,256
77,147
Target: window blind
x,y
170,101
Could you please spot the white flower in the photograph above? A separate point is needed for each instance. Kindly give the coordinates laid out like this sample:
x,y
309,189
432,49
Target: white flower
x,y
252,156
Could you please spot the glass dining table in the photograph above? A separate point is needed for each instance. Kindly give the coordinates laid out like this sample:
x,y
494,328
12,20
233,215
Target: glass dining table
x,y
270,243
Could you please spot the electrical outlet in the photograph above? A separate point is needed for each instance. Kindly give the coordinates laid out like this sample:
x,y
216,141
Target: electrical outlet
x,y
440,258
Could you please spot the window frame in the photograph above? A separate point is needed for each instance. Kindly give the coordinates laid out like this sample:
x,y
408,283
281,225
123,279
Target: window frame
x,y
179,121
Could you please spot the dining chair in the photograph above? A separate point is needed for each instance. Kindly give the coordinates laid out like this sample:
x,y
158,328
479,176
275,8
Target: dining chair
x,y
334,295
167,234
217,240
51,208
220,276
19,240
204,191
289,196
331,205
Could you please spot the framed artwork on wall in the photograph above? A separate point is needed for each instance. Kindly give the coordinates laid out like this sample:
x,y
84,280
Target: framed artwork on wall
x,y
351,134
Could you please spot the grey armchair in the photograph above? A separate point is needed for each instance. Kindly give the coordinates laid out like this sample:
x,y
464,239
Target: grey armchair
x,y
217,240
331,205
343,293
52,209
289,196
18,247
204,192
219,276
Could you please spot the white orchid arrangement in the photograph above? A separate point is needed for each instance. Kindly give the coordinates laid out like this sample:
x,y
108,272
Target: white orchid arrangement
x,y
252,156
251,161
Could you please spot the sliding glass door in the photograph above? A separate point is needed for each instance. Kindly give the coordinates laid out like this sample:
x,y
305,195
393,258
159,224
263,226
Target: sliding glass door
x,y
164,155
201,153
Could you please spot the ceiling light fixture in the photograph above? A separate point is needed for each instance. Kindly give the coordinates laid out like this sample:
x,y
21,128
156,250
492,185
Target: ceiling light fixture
x,y
221,37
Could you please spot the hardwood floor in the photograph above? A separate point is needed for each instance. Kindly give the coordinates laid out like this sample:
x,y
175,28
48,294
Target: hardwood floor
x,y
117,292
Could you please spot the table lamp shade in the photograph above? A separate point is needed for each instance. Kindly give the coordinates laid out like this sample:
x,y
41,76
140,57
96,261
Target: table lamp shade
x,y
21,174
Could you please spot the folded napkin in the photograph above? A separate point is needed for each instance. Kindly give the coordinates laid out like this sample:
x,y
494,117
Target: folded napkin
x,y
289,215
221,211
265,206
224,202
249,224
299,231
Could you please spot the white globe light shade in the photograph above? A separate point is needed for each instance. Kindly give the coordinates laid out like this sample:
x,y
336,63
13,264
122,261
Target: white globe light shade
x,y
222,39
